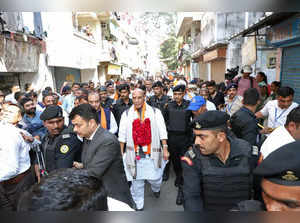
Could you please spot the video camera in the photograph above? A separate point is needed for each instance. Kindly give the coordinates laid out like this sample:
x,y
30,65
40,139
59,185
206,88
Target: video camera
x,y
231,73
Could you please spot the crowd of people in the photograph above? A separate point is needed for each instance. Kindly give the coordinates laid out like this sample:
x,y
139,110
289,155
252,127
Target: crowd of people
x,y
232,146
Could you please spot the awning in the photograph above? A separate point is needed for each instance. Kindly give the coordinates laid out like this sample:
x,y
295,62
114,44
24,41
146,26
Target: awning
x,y
264,22
198,55
214,54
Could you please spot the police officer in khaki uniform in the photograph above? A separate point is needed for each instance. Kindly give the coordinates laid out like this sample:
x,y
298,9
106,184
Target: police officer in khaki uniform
x,y
217,171
60,147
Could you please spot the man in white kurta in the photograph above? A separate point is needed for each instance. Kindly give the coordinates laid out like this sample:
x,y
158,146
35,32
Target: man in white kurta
x,y
150,167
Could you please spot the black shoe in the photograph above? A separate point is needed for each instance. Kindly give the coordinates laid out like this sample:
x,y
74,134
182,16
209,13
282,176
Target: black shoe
x,y
156,194
142,209
179,199
166,175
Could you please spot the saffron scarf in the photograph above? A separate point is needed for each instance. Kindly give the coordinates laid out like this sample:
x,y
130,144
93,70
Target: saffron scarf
x,y
116,96
141,131
103,122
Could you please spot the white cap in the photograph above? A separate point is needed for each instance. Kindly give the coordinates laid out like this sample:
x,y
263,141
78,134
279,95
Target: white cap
x,y
247,69
181,82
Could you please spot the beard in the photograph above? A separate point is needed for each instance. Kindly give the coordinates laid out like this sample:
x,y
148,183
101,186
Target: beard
x,y
31,111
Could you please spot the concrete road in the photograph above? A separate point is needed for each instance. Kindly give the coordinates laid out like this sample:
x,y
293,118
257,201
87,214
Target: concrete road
x,y
167,200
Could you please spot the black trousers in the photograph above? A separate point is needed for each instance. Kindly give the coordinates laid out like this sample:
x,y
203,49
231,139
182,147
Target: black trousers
x,y
11,193
177,146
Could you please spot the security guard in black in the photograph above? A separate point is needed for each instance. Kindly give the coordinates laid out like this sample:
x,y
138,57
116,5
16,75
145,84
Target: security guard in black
x,y
217,171
123,103
178,122
60,146
159,100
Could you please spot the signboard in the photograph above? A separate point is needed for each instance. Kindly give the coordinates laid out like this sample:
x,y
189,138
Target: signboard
x,y
113,69
249,55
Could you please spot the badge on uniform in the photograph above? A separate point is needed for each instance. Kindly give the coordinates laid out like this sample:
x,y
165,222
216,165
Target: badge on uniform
x,y
290,176
64,149
198,126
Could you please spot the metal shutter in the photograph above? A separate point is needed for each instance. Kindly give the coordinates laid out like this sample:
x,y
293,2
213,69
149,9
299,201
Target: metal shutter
x,y
290,70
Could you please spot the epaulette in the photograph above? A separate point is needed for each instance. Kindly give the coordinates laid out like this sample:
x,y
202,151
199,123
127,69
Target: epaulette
x,y
66,136
255,151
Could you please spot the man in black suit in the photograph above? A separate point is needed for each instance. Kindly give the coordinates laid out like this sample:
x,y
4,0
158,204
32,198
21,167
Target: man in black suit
x,y
101,154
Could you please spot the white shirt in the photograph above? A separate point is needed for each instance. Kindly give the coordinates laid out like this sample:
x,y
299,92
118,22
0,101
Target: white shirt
x,y
234,105
112,96
11,98
170,93
113,124
210,106
276,115
14,152
276,139
149,94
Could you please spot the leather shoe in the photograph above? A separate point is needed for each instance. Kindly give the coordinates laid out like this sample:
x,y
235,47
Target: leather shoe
x,y
156,194
179,199
142,209
166,175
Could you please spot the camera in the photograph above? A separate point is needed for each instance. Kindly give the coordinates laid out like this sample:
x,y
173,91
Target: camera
x,y
231,73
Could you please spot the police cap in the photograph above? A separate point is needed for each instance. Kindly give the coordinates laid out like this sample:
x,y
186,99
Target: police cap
x,y
52,111
210,120
179,88
282,166
232,85
157,84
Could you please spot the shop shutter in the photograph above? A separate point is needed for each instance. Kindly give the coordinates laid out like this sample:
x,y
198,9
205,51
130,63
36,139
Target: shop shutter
x,y
63,74
290,70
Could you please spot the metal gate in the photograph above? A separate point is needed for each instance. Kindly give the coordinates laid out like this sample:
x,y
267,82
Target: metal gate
x,y
290,70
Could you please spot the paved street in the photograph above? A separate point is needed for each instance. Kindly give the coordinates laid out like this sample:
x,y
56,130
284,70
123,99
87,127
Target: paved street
x,y
167,199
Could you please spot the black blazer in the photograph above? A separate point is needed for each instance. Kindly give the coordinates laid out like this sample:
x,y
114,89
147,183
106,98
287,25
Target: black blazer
x,y
102,159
